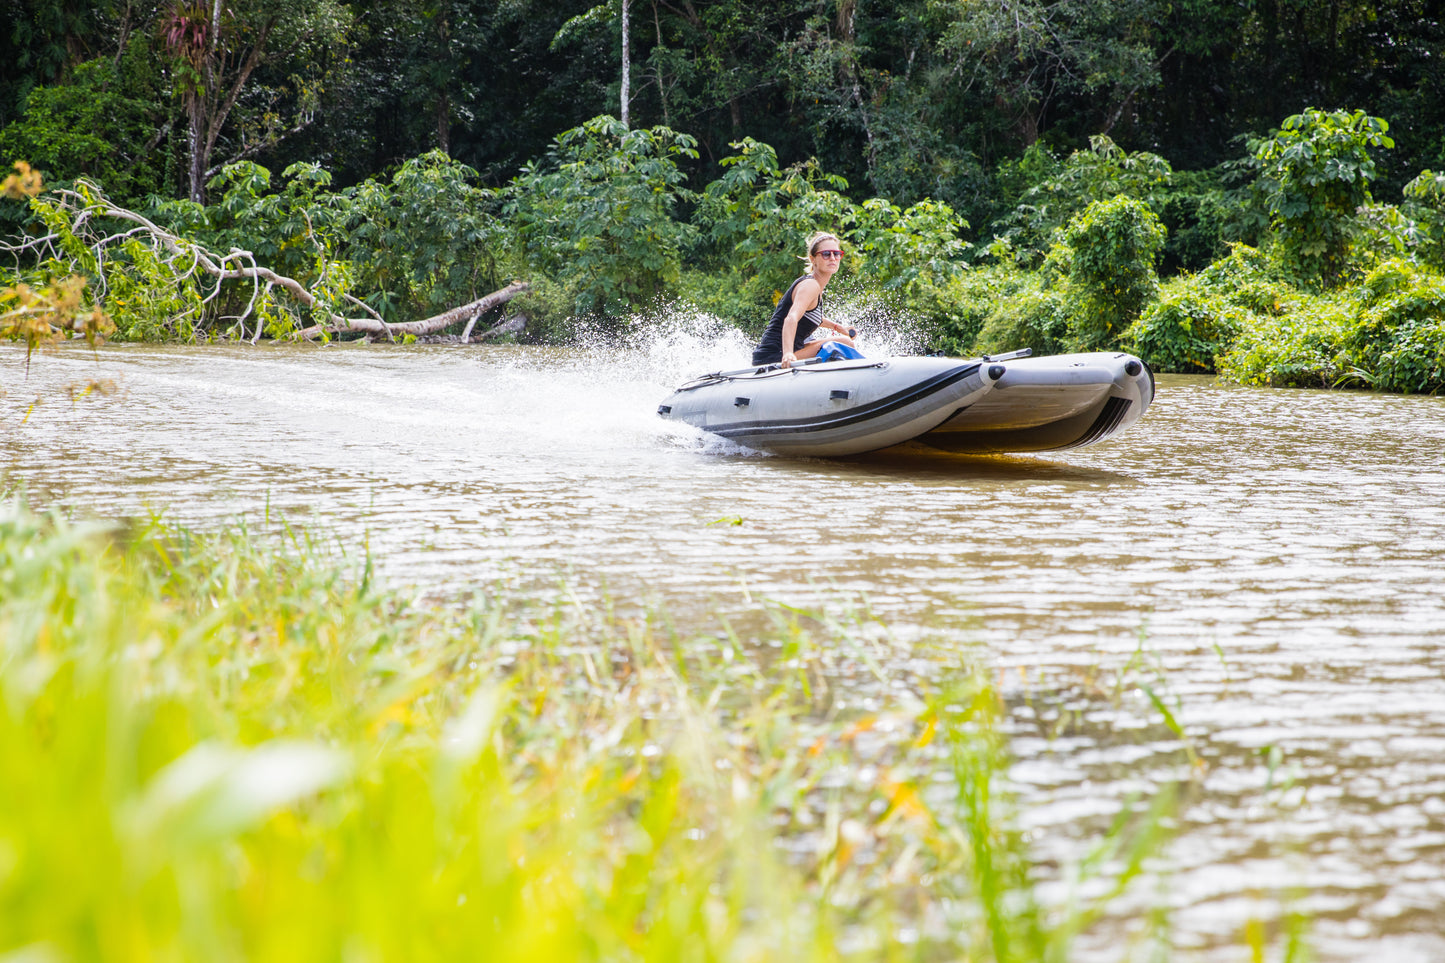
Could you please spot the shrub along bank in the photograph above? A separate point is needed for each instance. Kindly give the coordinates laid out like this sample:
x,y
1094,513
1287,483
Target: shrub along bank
x,y
1280,268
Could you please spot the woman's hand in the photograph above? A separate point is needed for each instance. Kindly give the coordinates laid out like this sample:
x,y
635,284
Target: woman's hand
x,y
788,359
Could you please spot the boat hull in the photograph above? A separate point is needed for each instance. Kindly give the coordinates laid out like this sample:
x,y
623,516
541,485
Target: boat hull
x,y
1051,404
967,405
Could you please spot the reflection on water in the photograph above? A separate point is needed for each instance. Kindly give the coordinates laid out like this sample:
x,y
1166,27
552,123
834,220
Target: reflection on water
x,y
1280,551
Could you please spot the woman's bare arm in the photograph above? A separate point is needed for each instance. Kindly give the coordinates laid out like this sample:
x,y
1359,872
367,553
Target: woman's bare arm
x,y
805,299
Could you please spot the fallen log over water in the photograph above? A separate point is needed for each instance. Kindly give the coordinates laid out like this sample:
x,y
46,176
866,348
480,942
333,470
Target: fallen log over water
x,y
375,326
516,324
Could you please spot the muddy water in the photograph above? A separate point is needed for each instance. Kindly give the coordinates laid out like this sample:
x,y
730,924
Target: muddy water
x,y
1281,554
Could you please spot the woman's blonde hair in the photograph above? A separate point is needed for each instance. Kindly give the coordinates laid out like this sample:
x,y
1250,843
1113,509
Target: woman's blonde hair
x,y
818,238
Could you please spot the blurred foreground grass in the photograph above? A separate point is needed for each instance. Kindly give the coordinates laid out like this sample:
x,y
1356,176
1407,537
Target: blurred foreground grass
x,y
226,746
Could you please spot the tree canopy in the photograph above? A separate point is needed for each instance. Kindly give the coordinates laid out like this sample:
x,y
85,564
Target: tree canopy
x,y
905,99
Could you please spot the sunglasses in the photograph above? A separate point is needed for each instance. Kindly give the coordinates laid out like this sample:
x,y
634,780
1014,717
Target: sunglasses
x,y
829,254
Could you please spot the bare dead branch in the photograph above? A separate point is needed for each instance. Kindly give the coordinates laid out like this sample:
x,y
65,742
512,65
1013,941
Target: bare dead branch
x,y
429,325
192,263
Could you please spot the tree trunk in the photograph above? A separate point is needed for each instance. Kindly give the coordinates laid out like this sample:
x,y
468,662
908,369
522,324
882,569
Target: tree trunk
x,y
661,80
196,137
516,324
444,123
209,107
429,325
444,101
626,68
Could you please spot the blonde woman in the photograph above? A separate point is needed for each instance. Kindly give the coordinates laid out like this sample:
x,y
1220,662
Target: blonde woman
x,y
800,311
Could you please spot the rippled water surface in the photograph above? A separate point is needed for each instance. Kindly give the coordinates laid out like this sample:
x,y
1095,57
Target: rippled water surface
x,y
1281,554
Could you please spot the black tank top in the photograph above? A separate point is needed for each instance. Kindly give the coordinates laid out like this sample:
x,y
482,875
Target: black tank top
x,y
770,346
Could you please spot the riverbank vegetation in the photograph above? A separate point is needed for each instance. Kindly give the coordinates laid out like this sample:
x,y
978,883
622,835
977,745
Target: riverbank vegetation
x,y
1176,180
243,746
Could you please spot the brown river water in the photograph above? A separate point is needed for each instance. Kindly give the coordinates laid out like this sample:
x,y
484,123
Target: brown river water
x,y
1280,553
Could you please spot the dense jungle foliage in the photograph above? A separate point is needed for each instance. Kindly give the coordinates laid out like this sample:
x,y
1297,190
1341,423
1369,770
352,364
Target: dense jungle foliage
x,y
1248,188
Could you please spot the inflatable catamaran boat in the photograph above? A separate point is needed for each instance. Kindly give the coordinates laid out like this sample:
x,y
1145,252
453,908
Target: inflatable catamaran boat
x,y
1005,403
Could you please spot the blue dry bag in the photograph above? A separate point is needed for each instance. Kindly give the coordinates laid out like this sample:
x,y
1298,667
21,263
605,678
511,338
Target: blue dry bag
x,y
837,351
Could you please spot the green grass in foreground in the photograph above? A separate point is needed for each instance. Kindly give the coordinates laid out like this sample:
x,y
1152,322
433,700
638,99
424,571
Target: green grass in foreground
x,y
225,747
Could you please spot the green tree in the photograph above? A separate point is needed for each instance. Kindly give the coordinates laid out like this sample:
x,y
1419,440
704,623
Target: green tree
x,y
1111,250
757,216
215,49
105,123
903,247
1023,55
1103,171
1315,174
438,39
1397,339
296,230
427,240
604,15
1197,318
43,40
718,68
598,213
1425,202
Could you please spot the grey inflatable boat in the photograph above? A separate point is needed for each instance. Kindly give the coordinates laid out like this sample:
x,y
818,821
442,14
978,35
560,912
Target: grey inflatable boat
x,y
1005,403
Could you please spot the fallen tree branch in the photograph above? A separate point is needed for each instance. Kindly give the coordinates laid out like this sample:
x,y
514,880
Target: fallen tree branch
x,y
429,325
516,324
85,204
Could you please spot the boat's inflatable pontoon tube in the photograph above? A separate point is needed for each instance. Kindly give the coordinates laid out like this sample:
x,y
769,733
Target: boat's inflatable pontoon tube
x,y
834,408
1005,403
1051,404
